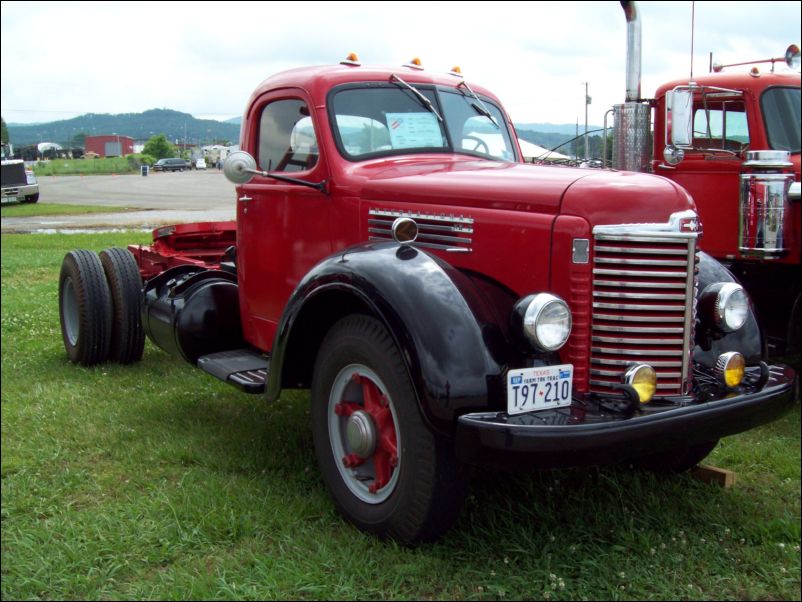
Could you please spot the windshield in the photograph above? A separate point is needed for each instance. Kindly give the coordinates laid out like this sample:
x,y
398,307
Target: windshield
x,y
391,119
781,112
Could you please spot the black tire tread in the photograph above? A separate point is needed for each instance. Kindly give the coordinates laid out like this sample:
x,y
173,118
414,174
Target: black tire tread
x,y
94,307
125,284
430,507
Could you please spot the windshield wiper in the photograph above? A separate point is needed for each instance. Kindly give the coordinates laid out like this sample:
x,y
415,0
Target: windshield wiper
x,y
480,108
426,102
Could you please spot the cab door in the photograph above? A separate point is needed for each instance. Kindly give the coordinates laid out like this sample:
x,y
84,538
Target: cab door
x,y
283,229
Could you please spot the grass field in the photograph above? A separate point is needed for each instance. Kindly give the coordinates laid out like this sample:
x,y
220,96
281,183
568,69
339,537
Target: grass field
x,y
155,481
106,165
32,209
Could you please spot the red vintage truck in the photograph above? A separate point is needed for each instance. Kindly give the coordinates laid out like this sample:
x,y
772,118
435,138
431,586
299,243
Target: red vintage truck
x,y
445,302
732,140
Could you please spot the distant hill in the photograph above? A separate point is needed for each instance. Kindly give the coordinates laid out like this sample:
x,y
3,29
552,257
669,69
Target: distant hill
x,y
177,126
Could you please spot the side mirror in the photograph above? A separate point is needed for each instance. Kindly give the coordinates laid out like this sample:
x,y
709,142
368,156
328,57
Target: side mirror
x,y
679,118
239,167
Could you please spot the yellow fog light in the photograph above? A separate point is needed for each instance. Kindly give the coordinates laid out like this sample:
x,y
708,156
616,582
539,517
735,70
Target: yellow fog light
x,y
643,379
730,368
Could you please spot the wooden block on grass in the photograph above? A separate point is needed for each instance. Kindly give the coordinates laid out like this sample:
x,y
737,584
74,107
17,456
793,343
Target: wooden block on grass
x,y
712,474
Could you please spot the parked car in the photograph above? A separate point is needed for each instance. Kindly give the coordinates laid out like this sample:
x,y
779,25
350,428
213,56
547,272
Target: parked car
x,y
170,165
200,163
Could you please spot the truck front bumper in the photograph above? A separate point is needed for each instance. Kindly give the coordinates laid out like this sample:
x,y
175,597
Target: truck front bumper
x,y
13,194
580,436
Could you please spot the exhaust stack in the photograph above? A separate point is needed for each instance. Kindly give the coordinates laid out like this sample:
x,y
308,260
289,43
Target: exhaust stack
x,y
631,150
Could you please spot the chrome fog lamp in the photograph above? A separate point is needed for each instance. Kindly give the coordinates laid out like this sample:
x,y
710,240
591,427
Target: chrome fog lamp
x,y
730,369
725,306
544,320
643,379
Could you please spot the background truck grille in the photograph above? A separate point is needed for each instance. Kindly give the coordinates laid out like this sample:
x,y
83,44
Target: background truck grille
x,y
643,308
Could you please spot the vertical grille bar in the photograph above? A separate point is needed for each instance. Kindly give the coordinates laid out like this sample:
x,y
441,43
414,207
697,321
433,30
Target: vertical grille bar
x,y
644,296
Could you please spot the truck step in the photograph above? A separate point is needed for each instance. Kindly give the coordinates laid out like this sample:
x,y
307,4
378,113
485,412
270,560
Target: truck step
x,y
246,369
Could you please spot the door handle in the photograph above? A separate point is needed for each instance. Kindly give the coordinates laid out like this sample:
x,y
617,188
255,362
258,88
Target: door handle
x,y
244,198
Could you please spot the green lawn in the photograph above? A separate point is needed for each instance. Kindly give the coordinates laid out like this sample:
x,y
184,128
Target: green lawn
x,y
155,481
35,209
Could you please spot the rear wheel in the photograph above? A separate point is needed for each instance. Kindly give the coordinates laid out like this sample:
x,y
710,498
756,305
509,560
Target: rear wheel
x,y
125,285
84,308
386,470
676,461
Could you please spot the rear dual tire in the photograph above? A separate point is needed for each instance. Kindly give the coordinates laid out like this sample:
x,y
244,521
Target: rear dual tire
x,y
100,307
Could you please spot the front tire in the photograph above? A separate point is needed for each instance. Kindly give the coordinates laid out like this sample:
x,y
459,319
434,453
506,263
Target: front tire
x,y
388,473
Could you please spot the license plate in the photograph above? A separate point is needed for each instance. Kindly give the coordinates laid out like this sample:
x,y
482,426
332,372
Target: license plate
x,y
9,199
540,388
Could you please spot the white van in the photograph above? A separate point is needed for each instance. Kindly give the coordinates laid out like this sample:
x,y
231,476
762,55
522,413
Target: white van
x,y
200,163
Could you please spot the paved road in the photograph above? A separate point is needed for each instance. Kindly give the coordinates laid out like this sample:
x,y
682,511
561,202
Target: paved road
x,y
159,198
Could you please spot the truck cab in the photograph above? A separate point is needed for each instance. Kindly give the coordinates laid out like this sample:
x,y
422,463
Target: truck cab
x,y
741,165
444,302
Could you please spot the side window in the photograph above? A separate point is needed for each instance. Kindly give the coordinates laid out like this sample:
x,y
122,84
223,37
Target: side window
x,y
722,126
287,140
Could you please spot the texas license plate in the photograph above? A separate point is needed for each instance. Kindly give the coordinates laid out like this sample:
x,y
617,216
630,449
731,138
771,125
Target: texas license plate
x,y
540,388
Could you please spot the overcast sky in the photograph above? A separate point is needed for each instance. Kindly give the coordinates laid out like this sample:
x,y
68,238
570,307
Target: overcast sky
x,y
64,59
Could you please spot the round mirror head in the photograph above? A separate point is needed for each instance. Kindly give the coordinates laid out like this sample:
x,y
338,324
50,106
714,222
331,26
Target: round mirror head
x,y
239,167
792,57
673,155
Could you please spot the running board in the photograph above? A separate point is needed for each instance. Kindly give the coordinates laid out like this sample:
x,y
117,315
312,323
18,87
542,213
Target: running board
x,y
246,369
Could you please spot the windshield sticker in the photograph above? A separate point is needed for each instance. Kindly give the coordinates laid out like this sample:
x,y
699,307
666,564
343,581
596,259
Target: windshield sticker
x,y
414,130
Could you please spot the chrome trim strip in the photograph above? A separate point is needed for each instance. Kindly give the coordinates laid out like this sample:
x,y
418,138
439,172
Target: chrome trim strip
x,y
650,296
423,226
635,341
662,319
604,272
636,352
650,262
639,329
416,215
628,306
627,363
623,284
649,251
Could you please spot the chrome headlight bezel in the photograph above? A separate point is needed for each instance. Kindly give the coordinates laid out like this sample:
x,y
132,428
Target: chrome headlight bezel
x,y
543,320
724,306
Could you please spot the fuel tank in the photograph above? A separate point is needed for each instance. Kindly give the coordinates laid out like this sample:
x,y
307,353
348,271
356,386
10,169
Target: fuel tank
x,y
191,312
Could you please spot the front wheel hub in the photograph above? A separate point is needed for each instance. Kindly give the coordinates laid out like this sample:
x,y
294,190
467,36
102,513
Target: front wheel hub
x,y
361,434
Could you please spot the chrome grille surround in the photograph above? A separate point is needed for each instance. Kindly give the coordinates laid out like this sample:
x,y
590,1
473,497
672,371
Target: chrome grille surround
x,y
448,233
644,302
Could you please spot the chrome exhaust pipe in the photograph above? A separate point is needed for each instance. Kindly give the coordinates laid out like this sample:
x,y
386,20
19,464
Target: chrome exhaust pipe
x,y
633,50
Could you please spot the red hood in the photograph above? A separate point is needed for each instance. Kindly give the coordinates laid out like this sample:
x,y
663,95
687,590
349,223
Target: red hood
x,y
601,197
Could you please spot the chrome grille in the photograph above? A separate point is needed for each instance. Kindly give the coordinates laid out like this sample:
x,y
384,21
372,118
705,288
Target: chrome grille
x,y
446,232
644,295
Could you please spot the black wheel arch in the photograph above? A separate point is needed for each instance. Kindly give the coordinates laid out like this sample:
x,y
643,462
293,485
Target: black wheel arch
x,y
748,340
452,346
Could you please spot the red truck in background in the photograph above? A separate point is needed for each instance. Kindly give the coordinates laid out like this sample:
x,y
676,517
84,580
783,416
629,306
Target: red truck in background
x,y
445,302
732,140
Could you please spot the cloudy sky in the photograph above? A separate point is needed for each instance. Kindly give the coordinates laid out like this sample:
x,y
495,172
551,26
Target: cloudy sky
x,y
63,59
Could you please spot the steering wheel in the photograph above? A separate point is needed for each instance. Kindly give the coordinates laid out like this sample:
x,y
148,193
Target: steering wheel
x,y
479,144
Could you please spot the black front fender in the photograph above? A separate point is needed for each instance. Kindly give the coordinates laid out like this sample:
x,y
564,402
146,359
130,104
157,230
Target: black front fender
x,y
709,345
452,348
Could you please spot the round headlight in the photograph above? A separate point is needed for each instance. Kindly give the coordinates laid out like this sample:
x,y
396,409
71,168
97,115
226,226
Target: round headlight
x,y
732,307
726,305
643,379
730,368
546,321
